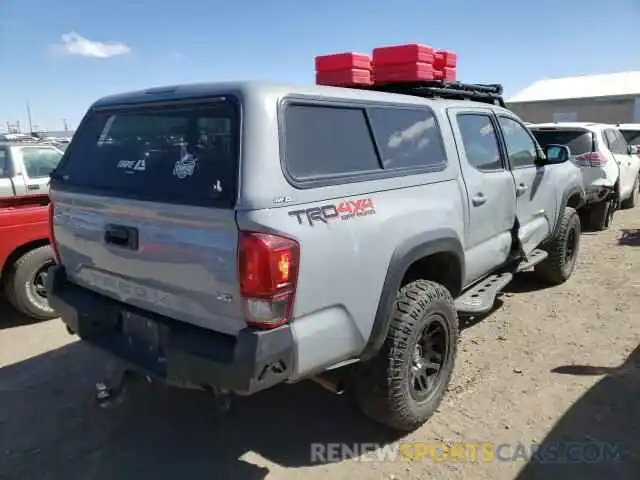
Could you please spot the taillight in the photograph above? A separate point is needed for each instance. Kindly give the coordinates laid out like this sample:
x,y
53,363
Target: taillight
x,y
591,159
268,273
52,239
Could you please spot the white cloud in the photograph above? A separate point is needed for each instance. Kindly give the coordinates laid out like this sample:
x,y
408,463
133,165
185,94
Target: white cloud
x,y
75,44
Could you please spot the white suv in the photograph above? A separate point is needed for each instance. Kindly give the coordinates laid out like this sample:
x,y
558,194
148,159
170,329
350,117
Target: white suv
x,y
609,165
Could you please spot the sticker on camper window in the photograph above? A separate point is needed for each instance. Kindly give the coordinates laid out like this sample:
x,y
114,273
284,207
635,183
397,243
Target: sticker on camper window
x,y
216,187
126,163
185,167
139,165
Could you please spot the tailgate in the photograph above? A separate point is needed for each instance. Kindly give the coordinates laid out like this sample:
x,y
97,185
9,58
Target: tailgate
x,y
144,210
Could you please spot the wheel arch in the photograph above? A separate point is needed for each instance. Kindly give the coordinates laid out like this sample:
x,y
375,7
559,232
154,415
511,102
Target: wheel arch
x,y
19,252
436,256
572,197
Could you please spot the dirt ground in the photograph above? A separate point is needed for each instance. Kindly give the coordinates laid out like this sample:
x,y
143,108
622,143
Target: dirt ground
x,y
549,365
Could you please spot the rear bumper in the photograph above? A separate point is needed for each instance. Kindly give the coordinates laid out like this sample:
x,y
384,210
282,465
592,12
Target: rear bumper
x,y
173,351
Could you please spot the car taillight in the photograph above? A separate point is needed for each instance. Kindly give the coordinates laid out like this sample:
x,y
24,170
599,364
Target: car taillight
x,y
268,274
52,239
591,159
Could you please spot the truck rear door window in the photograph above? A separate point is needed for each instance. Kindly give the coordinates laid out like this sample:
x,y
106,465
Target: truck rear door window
x,y
40,162
578,141
180,154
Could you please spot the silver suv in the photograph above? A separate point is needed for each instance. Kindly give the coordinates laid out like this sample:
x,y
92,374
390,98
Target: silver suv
x,y
234,236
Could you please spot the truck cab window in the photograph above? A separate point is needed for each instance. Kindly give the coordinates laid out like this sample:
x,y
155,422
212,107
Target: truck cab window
x,y
40,162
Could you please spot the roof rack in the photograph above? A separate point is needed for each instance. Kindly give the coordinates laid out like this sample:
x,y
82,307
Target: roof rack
x,y
485,93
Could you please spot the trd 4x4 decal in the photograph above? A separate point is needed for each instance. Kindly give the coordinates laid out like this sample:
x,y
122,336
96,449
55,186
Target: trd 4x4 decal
x,y
344,210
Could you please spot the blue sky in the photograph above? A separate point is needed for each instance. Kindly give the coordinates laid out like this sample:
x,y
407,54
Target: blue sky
x,y
162,42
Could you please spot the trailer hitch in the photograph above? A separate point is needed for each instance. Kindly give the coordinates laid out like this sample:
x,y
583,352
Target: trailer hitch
x,y
111,391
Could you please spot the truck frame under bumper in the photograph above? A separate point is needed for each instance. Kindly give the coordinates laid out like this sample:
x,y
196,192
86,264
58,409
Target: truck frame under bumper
x,y
172,351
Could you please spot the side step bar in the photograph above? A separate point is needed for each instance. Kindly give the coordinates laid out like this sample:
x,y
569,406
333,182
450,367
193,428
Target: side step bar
x,y
535,258
480,298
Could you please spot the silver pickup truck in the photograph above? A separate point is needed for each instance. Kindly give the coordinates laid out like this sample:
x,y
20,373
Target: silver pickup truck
x,y
234,236
25,168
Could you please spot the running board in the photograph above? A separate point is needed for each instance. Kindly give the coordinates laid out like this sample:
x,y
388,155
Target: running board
x,y
532,260
480,298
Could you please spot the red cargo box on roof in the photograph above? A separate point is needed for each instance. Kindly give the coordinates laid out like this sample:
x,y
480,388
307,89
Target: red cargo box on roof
x,y
402,54
446,74
444,58
344,78
342,61
411,72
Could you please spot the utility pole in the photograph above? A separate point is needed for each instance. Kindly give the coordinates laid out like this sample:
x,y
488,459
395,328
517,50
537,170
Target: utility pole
x,y
29,118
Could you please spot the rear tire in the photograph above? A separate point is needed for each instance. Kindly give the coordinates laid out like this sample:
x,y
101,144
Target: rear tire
x,y
563,250
24,285
404,384
632,201
600,215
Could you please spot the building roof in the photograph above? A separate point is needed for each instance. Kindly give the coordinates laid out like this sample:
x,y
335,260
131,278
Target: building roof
x,y
57,133
585,86
591,126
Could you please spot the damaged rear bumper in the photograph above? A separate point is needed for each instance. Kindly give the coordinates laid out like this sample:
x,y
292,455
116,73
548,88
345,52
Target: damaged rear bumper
x,y
170,350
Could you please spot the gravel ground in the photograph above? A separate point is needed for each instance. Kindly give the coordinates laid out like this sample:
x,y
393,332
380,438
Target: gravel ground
x,y
548,366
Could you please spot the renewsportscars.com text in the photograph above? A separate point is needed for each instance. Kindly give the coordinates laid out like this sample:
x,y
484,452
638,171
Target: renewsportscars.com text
x,y
565,452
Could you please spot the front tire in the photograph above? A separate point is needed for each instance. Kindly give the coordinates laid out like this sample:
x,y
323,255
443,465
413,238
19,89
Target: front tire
x,y
563,250
404,384
24,286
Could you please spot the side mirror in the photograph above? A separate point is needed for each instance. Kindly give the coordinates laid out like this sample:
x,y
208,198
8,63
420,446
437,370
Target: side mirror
x,y
555,154
632,149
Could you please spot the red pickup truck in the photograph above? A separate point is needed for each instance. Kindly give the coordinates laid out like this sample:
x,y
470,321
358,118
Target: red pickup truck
x,y
25,255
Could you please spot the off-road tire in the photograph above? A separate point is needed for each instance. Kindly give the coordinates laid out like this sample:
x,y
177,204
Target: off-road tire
x,y
563,250
632,201
599,215
19,281
382,387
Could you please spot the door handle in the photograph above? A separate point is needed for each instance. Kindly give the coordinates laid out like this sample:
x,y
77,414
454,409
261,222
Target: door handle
x,y
521,188
121,236
478,200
